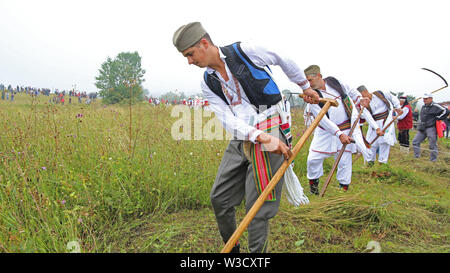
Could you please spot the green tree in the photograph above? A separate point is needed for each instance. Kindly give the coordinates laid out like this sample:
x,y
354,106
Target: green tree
x,y
120,79
171,96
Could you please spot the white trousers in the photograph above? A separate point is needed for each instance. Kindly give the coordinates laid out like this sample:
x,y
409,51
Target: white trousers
x,y
315,166
383,152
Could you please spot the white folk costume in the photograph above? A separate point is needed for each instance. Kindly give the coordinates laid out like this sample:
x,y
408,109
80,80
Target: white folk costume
x,y
307,116
248,104
338,121
381,108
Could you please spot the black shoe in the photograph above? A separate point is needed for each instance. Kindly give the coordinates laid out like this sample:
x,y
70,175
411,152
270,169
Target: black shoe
x,y
314,186
344,187
236,248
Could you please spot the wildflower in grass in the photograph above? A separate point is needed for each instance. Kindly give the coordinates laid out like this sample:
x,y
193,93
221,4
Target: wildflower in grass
x,y
80,220
44,168
79,115
63,202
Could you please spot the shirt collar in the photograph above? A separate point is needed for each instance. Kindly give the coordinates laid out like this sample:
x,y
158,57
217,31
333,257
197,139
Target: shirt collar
x,y
209,70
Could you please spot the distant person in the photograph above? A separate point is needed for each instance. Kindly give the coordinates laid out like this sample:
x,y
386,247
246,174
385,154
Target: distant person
x,y
382,107
429,114
237,86
405,123
447,126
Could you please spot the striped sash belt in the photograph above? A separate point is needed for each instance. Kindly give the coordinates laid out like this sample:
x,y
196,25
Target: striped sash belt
x,y
262,170
380,116
345,125
342,126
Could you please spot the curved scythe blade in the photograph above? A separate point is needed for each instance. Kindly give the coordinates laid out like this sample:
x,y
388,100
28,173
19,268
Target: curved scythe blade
x,y
446,84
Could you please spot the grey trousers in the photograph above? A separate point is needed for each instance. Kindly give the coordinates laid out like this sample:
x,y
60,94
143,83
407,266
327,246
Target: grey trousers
x,y
432,138
234,181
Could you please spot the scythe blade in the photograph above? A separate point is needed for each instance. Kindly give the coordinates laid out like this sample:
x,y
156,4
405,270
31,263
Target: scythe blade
x,y
446,84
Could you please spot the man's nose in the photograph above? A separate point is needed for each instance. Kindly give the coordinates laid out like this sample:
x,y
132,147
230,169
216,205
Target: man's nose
x,y
190,61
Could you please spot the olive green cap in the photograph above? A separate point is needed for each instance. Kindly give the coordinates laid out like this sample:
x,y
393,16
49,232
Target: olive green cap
x,y
362,88
188,35
312,70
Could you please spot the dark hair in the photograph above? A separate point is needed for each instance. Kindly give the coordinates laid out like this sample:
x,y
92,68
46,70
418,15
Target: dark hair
x,y
406,100
207,37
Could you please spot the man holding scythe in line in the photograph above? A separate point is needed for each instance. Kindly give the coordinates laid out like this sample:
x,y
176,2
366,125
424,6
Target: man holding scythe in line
x,y
333,130
382,105
241,92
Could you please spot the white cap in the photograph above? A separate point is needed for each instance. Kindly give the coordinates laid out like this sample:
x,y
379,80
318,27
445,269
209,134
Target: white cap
x,y
427,95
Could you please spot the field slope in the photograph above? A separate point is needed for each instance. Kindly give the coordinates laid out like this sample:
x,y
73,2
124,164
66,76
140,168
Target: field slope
x,y
72,173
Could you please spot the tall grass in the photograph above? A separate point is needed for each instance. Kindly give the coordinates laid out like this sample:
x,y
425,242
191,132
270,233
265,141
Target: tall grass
x,y
66,170
67,173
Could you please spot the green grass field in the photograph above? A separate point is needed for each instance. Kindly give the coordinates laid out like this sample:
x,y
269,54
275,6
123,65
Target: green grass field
x,y
72,173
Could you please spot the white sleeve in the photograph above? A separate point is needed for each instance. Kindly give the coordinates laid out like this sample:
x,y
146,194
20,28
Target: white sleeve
x,y
354,94
234,125
368,117
405,112
325,122
393,99
263,57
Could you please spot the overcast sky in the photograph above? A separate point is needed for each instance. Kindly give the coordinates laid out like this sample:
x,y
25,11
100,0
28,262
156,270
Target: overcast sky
x,y
381,44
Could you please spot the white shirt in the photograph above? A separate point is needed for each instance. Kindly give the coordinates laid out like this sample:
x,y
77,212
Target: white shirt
x,y
240,117
337,115
403,115
378,107
326,136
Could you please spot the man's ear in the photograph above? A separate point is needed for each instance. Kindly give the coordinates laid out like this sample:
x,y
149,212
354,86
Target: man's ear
x,y
204,43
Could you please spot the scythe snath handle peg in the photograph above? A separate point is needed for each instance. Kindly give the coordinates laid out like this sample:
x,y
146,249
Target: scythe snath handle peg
x,y
324,100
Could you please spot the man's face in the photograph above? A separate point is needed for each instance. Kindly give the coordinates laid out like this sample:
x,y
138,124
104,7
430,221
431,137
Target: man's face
x,y
365,94
196,55
402,102
427,100
314,81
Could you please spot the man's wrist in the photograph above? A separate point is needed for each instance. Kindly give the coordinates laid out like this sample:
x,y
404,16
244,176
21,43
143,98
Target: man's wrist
x,y
255,136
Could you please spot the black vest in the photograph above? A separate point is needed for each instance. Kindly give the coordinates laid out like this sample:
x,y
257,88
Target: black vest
x,y
258,86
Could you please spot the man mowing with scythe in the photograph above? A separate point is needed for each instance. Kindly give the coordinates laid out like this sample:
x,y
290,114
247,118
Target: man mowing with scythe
x,y
241,92
333,132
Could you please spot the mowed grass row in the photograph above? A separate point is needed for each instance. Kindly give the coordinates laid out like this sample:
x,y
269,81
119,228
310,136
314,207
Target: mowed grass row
x,y
68,173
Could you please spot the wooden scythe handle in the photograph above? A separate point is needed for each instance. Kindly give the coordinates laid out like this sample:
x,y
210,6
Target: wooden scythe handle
x,y
276,178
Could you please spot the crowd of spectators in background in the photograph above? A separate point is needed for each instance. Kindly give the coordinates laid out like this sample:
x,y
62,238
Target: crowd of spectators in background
x,y
59,97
